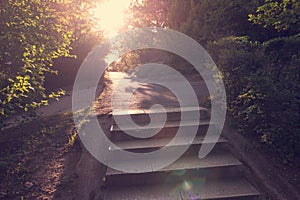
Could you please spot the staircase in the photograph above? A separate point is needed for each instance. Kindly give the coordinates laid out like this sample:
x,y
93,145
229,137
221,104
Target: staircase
x,y
217,176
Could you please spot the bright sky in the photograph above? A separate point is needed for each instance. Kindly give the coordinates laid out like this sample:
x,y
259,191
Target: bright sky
x,y
111,15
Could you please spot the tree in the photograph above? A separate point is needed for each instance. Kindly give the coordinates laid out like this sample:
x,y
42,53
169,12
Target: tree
x,y
149,13
262,78
283,15
203,20
33,34
212,20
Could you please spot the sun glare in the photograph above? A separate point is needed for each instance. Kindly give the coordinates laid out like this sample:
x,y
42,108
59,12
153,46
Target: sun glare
x,y
111,16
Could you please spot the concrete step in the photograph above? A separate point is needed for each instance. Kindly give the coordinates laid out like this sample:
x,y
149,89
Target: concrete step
x,y
153,144
141,116
196,189
215,165
170,129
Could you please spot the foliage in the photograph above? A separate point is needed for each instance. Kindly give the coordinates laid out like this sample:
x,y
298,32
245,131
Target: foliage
x,y
207,20
283,15
33,34
149,13
126,62
203,20
262,83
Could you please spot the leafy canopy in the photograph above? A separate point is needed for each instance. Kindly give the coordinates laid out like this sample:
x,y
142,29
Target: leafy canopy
x,y
282,15
33,34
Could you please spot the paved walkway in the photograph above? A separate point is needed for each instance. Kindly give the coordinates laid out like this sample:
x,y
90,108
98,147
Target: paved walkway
x,y
148,94
64,104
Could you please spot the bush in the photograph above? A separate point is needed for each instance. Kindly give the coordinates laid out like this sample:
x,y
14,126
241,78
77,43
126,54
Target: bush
x,y
262,85
33,35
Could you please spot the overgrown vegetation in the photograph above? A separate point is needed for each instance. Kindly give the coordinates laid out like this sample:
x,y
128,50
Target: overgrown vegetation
x,y
262,83
33,35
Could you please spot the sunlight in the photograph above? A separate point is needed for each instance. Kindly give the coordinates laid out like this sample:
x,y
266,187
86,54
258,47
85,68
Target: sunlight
x,y
111,16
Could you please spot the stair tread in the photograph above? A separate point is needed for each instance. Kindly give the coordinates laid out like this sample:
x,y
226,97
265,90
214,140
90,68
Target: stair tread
x,y
152,111
194,189
161,142
214,159
168,124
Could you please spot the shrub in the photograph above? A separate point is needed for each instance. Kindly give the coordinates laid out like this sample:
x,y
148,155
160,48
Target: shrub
x,y
262,85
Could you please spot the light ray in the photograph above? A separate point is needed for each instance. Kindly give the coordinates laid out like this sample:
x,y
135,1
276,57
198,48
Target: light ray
x,y
111,15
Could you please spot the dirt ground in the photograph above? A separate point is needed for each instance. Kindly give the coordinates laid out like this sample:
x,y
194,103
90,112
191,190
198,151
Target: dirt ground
x,y
37,159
